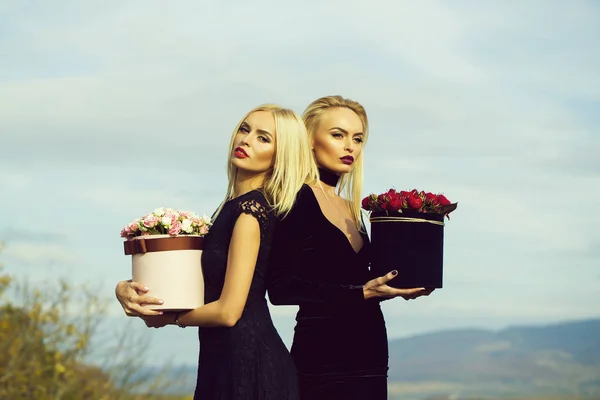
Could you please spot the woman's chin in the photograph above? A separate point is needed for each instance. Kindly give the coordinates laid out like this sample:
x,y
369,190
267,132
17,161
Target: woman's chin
x,y
339,169
239,163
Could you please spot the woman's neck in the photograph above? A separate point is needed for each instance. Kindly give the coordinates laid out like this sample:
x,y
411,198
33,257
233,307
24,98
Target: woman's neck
x,y
245,183
329,180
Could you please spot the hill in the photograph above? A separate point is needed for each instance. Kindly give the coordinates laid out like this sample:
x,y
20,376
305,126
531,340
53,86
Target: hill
x,y
562,358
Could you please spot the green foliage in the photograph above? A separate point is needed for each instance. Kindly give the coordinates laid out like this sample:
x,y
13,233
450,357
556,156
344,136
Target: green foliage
x,y
45,339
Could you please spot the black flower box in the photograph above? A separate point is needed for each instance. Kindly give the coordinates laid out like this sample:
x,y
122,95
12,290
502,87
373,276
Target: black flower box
x,y
411,242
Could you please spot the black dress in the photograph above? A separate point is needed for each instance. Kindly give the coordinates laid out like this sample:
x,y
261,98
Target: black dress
x,y
248,361
340,342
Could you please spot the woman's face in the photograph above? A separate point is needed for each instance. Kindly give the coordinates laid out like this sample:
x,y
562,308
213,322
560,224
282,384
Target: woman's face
x,y
338,140
254,143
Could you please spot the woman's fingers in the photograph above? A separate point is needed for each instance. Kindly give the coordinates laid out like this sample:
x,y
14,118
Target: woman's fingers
x,y
131,296
382,280
148,300
407,294
137,310
138,287
378,287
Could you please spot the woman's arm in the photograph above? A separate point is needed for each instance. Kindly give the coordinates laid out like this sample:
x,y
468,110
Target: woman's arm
x,y
289,285
241,261
295,276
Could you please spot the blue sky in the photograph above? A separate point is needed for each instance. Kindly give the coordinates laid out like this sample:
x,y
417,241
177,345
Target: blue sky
x,y
110,109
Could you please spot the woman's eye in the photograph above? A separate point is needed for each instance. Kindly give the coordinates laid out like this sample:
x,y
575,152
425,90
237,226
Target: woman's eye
x,y
337,135
358,140
263,139
244,129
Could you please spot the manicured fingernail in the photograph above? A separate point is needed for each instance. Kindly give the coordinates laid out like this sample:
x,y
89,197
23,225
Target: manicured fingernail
x,y
394,272
160,313
146,288
160,301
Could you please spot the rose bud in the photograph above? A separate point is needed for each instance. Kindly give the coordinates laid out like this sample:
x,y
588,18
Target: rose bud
x,y
415,202
443,200
395,203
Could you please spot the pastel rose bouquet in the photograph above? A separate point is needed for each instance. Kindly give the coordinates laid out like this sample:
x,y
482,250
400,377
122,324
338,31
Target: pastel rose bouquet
x,y
167,221
419,201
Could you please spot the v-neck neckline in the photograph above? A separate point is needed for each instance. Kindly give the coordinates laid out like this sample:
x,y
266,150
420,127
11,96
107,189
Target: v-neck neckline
x,y
337,228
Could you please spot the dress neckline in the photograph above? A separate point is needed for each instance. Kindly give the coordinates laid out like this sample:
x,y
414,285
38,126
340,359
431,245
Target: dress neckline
x,y
346,239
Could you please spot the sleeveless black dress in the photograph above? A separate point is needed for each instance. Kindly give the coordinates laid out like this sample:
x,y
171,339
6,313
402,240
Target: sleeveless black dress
x,y
248,361
340,342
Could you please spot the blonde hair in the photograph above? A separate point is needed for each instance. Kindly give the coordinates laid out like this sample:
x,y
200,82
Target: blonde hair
x,y
293,165
350,183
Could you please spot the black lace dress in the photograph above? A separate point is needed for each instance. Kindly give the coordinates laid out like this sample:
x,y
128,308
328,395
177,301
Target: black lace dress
x,y
248,361
340,342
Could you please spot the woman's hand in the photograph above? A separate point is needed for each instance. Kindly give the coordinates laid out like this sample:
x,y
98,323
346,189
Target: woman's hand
x,y
132,297
378,288
158,321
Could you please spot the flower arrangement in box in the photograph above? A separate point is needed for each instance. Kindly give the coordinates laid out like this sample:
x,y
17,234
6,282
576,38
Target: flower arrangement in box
x,y
167,221
407,234
166,248
419,201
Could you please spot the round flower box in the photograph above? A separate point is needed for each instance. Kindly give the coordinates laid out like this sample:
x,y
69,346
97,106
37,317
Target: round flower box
x,y
407,234
410,242
170,267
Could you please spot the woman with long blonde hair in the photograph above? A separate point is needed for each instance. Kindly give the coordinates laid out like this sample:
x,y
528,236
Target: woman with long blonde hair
x,y
241,354
320,261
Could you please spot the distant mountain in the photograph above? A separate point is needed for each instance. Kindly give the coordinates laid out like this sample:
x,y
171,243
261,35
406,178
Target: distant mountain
x,y
562,358
473,364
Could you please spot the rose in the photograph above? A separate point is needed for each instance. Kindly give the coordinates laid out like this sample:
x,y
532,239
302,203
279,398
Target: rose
x,y
442,200
366,203
431,199
382,201
204,230
395,201
159,212
125,232
370,202
150,221
166,221
133,226
175,228
414,201
186,226
395,204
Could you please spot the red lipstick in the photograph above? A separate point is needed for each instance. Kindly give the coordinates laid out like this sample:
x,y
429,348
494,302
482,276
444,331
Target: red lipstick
x,y
240,153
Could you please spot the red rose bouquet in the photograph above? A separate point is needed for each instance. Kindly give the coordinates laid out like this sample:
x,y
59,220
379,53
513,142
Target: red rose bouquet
x,y
423,202
407,234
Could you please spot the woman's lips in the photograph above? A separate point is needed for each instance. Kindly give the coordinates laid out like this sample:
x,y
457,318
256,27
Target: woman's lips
x,y
240,153
348,160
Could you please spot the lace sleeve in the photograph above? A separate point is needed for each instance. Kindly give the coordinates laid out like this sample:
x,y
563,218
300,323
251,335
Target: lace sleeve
x,y
258,210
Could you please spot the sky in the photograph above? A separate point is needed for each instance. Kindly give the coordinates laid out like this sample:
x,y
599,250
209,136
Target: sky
x,y
110,109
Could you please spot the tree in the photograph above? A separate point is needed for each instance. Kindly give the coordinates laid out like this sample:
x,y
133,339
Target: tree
x,y
45,340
